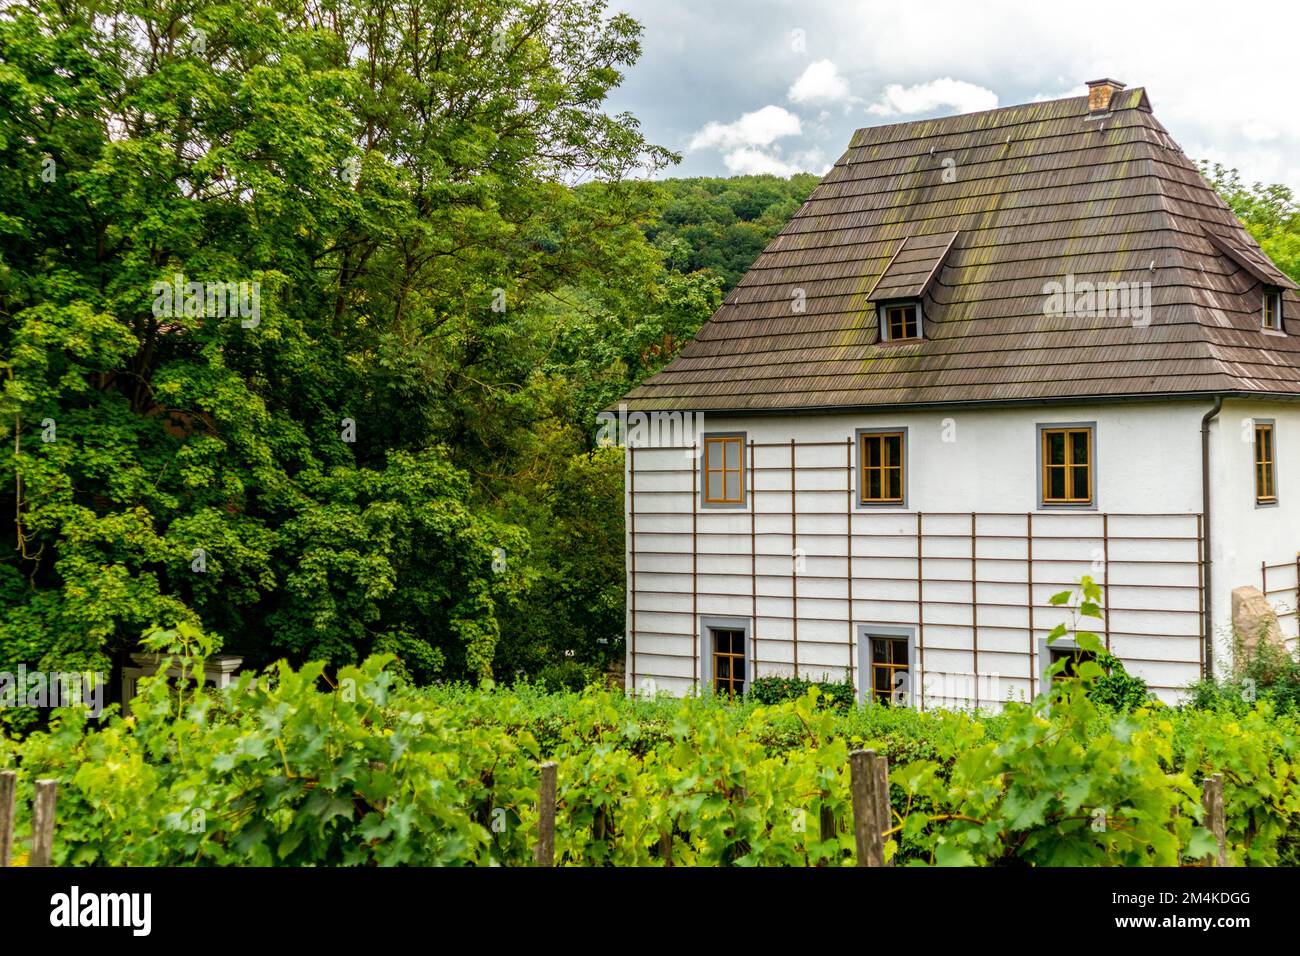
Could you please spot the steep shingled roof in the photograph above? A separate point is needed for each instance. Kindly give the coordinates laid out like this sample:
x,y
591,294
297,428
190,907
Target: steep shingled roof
x,y
1037,193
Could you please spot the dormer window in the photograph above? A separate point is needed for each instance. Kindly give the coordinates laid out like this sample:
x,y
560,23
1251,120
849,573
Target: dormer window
x,y
900,321
1273,309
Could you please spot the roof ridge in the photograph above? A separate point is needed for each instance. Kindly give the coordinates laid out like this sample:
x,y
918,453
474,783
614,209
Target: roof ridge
x,y
1137,94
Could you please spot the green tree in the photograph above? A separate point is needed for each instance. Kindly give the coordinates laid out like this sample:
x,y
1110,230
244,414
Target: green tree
x,y
328,472
1270,214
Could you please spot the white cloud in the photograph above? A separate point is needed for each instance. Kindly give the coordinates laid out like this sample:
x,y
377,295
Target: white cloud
x,y
750,162
957,95
759,128
1080,90
749,145
753,162
820,83
1259,132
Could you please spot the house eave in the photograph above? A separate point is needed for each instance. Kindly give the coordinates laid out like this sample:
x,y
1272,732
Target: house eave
x,y
1146,397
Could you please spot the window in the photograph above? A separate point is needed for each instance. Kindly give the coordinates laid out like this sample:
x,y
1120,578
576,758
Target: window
x,y
1067,466
900,321
881,467
1072,656
1265,465
1273,309
889,660
724,471
728,660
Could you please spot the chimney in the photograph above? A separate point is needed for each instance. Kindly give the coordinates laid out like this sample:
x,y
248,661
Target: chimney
x,y
1099,94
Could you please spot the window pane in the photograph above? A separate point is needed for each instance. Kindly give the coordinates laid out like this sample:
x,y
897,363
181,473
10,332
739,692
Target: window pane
x,y
1080,483
1079,447
733,454
733,486
724,667
872,448
873,485
1055,447
714,492
900,652
1055,483
712,456
893,449
895,483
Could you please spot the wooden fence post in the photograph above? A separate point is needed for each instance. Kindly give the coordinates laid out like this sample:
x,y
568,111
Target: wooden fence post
x,y
8,792
544,852
865,783
1212,800
43,822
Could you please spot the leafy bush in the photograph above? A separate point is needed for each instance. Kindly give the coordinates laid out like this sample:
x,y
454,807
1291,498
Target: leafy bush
x,y
361,769
1265,672
1117,688
777,690
568,675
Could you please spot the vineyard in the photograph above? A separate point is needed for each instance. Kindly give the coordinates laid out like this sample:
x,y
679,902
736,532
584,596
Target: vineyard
x,y
290,769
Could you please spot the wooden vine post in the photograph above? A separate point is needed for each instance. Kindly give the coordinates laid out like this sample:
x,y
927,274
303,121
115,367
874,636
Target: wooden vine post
x,y
869,783
1212,800
43,822
544,852
8,796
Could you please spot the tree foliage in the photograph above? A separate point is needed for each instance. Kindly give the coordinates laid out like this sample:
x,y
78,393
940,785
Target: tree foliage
x,y
360,464
1270,214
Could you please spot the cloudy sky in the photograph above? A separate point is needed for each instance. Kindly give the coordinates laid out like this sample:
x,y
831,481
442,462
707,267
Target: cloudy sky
x,y
749,86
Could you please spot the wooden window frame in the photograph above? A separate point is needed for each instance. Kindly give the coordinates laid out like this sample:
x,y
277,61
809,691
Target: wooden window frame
x,y
863,434
887,324
866,689
736,685
709,626
893,641
1272,303
1265,463
1044,465
721,440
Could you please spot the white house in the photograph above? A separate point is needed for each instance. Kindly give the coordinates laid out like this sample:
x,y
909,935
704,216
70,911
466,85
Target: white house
x,y
990,354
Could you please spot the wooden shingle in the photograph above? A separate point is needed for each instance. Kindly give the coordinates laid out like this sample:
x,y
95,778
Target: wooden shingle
x,y
983,217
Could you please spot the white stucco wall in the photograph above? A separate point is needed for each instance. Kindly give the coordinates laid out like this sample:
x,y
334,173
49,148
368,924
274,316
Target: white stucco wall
x,y
1245,533
694,563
